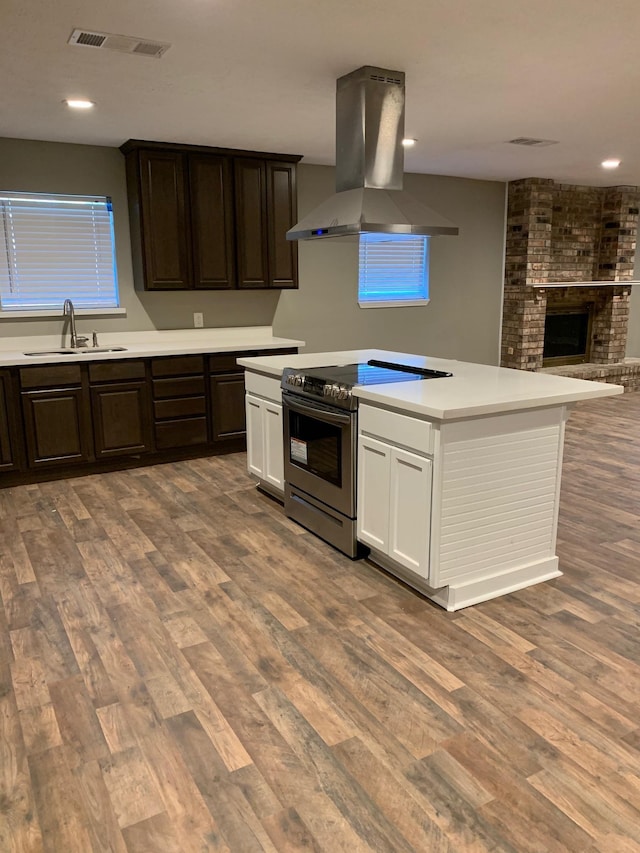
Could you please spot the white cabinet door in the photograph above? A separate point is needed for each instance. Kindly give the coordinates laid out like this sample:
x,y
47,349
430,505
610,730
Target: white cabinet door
x,y
255,435
410,510
273,449
374,468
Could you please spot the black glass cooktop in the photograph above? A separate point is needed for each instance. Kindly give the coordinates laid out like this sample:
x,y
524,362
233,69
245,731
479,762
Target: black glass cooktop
x,y
373,373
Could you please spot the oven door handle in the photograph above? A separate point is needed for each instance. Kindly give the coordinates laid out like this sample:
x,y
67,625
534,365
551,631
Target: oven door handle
x,y
317,412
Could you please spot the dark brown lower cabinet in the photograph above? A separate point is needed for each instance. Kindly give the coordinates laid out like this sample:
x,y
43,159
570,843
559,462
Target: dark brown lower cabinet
x,y
180,405
121,419
56,427
88,412
7,435
227,406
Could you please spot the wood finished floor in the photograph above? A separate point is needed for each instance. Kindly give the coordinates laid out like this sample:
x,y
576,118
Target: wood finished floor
x,y
183,669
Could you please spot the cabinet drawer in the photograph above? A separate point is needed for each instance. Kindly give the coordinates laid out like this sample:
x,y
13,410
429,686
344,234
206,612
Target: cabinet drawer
x,y
263,386
184,433
179,365
180,408
281,351
226,362
183,387
109,371
50,375
396,428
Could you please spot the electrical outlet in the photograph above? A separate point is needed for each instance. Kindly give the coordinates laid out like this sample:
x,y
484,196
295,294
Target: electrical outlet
x,y
198,319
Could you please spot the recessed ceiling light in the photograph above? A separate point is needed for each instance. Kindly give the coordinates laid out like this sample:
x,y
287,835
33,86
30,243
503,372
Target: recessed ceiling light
x,y
79,103
409,143
610,164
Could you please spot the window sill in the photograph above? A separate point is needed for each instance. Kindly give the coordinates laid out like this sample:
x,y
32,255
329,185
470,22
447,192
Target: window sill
x,y
393,303
48,313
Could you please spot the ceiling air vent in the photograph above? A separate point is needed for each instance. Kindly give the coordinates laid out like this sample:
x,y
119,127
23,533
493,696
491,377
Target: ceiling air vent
x,y
123,44
531,142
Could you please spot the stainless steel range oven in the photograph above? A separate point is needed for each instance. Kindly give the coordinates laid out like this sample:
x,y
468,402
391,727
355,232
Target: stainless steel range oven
x,y
320,444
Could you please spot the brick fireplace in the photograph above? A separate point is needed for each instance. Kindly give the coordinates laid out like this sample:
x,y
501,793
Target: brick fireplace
x,y
557,234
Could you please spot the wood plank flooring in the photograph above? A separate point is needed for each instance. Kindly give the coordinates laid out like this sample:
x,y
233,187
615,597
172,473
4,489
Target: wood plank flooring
x,y
184,669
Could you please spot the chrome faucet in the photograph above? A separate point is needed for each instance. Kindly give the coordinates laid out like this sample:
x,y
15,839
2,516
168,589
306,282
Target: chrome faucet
x,y
76,340
67,310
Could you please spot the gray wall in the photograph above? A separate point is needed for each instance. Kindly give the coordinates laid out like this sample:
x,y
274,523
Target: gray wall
x,y
462,319
30,166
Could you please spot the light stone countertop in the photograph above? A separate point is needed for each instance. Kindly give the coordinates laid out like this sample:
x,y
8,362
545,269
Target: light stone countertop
x,y
143,344
473,390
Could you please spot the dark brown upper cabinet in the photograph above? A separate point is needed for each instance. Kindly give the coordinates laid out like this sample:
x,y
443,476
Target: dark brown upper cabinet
x,y
283,213
163,217
212,223
251,219
210,218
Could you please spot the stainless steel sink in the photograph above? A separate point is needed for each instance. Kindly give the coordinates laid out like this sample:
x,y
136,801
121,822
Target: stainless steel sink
x,y
89,350
52,352
77,350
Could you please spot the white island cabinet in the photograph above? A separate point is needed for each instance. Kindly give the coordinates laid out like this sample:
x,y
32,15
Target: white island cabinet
x,y
265,457
468,515
458,478
394,487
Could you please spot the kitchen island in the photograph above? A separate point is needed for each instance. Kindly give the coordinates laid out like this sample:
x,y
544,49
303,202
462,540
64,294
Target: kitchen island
x,y
458,479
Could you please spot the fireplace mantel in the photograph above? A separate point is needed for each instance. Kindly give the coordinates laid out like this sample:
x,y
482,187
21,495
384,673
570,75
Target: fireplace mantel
x,y
544,284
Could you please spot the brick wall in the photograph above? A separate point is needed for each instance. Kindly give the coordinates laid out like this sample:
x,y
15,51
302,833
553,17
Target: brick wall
x,y
565,232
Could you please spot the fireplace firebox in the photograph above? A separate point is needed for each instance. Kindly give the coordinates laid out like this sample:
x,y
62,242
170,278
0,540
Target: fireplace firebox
x,y
567,335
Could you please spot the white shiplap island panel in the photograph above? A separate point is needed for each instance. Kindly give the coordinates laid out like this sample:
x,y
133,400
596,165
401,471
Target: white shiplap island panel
x,y
496,503
459,478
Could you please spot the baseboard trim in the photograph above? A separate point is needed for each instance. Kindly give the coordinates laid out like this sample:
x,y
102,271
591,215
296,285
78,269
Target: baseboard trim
x,y
464,594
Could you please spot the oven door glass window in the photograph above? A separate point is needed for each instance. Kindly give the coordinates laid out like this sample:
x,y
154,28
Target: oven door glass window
x,y
316,447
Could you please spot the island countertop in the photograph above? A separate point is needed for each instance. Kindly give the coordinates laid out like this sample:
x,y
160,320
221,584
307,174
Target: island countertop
x,y
473,390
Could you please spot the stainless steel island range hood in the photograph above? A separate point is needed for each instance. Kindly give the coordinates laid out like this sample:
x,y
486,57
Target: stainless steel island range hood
x,y
369,165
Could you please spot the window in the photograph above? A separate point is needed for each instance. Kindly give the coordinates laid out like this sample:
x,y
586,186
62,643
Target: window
x,y
393,270
56,247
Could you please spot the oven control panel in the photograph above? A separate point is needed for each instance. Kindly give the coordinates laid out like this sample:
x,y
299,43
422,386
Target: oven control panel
x,y
318,387
294,379
336,391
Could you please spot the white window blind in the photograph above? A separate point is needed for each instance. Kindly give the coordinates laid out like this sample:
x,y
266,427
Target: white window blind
x,y
393,269
56,247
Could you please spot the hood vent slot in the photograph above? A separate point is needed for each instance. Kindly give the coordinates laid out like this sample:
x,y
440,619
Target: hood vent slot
x,y
380,78
122,44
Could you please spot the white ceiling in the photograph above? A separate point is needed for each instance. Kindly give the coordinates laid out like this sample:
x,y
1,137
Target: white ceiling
x,y
260,74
